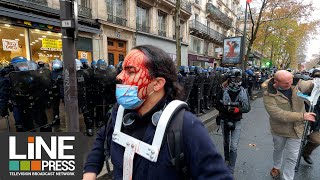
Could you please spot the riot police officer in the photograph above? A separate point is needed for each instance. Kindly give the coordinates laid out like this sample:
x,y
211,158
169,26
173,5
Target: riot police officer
x,y
105,84
30,91
196,95
208,85
85,93
57,88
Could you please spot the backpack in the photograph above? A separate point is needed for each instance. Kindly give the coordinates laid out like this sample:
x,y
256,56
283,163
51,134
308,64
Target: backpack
x,y
174,140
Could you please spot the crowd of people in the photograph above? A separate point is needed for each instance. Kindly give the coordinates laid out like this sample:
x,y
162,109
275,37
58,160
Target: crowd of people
x,y
144,95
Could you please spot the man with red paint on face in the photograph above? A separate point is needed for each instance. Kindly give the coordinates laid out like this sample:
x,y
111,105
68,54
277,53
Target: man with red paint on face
x,y
149,83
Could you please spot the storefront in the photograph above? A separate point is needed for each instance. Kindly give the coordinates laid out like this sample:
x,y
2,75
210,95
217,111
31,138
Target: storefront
x,y
36,41
202,61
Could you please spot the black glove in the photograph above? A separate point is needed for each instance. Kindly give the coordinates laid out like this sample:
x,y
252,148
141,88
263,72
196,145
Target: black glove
x,y
4,112
233,109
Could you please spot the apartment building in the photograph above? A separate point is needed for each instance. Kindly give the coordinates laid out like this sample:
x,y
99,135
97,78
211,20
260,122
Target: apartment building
x,y
31,28
210,23
155,23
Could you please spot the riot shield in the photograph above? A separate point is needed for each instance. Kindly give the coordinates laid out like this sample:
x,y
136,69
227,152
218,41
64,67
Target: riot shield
x,y
29,87
188,84
30,92
105,84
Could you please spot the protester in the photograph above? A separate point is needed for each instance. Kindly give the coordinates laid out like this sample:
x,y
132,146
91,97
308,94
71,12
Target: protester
x,y
152,73
287,115
232,102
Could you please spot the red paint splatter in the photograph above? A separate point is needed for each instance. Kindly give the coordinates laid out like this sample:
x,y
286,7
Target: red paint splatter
x,y
135,72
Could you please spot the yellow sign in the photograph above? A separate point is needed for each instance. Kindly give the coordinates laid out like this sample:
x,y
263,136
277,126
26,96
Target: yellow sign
x,y
51,44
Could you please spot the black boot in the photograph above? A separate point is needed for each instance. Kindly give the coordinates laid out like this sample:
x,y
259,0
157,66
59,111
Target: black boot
x,y
206,103
202,106
19,128
89,132
308,149
89,125
56,121
46,128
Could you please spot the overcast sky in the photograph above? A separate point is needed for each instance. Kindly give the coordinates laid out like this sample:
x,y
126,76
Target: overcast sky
x,y
314,45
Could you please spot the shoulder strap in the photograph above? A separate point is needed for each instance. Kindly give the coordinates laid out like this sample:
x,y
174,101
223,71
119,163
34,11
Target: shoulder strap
x,y
175,143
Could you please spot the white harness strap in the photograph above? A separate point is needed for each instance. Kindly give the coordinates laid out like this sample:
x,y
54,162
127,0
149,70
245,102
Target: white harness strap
x,y
133,145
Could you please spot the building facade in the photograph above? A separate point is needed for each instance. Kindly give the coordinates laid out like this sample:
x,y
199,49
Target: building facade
x,y
31,28
211,22
155,23
108,29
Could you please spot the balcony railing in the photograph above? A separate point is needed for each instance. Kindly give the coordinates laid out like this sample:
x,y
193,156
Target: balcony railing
x,y
162,33
184,5
219,16
207,31
85,11
39,2
143,28
117,20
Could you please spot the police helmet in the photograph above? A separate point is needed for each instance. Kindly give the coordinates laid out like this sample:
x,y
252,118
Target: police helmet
x,y
85,63
40,63
101,64
210,69
198,70
18,59
111,67
219,69
32,65
184,69
192,69
249,72
94,64
56,64
78,64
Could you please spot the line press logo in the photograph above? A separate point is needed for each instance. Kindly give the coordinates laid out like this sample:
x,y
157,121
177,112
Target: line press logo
x,y
43,155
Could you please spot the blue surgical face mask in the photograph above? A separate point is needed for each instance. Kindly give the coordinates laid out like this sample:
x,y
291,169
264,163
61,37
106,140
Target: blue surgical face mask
x,y
127,96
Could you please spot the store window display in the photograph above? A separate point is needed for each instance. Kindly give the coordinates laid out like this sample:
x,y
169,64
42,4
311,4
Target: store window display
x,y
45,45
13,42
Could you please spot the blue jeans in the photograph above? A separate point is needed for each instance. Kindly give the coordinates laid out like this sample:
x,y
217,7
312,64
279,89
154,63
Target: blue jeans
x,y
231,139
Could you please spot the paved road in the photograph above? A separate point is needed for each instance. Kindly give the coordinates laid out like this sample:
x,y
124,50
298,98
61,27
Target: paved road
x,y
255,148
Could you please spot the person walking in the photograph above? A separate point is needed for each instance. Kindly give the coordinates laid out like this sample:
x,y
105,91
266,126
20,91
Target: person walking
x,y
148,83
232,102
287,116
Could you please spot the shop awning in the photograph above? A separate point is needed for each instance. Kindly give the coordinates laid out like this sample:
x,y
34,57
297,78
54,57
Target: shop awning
x,y
193,57
41,19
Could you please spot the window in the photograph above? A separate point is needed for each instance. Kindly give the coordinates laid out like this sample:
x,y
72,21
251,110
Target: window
x,y
85,48
162,24
110,43
196,17
120,44
197,45
45,45
143,19
182,24
13,43
110,58
85,3
117,12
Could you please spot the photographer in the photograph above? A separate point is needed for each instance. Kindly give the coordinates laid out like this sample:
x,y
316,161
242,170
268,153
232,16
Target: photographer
x,y
233,102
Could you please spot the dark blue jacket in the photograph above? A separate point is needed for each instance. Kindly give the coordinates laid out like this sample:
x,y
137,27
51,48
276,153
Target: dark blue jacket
x,y
202,158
